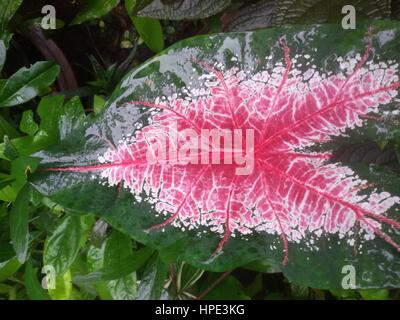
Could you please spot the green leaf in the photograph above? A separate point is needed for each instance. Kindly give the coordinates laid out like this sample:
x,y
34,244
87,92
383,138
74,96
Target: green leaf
x,y
33,286
50,110
115,251
19,220
8,268
5,39
6,252
382,294
28,124
124,288
9,150
3,51
126,266
150,31
9,290
153,280
25,146
57,121
98,103
22,166
118,248
6,128
8,8
25,84
95,9
63,287
62,247
345,294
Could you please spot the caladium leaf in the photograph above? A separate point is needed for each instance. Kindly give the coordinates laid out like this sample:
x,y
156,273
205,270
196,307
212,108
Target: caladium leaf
x,y
261,194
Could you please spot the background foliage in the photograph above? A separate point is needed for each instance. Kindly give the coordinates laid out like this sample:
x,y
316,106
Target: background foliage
x,y
50,77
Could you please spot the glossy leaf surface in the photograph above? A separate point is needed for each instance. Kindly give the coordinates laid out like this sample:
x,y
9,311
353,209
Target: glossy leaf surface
x,y
296,87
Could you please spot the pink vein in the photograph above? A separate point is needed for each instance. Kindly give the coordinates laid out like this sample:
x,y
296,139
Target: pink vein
x,y
323,110
283,235
288,64
176,214
222,81
227,221
358,66
162,107
344,203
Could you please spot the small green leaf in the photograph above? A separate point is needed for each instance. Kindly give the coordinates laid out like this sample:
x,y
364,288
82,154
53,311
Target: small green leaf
x,y
19,219
124,267
381,294
8,268
124,288
98,103
9,150
6,252
20,169
49,110
3,51
26,83
118,248
95,9
55,118
9,290
8,194
28,124
62,247
63,287
6,128
24,145
115,250
345,294
8,8
22,166
152,283
150,31
33,286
